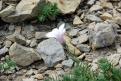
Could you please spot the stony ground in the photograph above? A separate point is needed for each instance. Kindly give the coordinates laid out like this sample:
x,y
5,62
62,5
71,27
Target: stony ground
x,y
93,31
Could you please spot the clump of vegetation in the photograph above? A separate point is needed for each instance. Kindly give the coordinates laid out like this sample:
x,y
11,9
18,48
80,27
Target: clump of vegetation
x,y
7,65
82,72
108,72
48,11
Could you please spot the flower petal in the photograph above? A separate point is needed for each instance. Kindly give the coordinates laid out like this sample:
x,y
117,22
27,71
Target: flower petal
x,y
61,28
53,33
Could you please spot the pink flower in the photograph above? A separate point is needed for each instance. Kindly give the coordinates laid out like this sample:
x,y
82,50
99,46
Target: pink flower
x,y
57,33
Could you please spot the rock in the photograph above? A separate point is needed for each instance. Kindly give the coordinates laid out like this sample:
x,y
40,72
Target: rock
x,y
25,9
55,74
114,59
101,35
7,11
23,56
117,20
51,51
39,76
31,72
1,2
85,31
7,43
106,16
11,27
83,38
39,35
118,48
120,62
75,41
91,2
106,4
17,37
33,43
3,50
95,8
114,0
68,63
72,49
73,32
59,66
66,6
84,47
77,20
93,18
28,31
28,79
81,57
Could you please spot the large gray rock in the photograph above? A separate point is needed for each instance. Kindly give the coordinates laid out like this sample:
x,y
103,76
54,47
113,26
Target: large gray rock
x,y
25,9
22,55
101,35
51,51
66,6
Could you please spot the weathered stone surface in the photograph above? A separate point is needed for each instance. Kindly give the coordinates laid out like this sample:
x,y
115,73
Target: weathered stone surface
x,y
101,35
51,51
22,55
40,35
114,59
95,8
66,6
73,32
25,9
93,18
68,63
77,20
83,38
84,47
106,16
7,11
72,49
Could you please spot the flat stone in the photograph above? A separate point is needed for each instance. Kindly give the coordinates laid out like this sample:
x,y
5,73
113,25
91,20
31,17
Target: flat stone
x,y
51,51
7,43
83,38
95,8
72,49
73,32
77,21
33,43
84,47
106,16
23,56
93,18
39,35
68,63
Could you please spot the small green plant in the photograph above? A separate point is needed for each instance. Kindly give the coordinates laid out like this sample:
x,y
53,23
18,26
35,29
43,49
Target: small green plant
x,y
7,65
47,11
82,72
108,71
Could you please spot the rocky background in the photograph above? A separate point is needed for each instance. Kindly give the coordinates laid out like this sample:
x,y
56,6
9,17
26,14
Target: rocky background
x,y
93,31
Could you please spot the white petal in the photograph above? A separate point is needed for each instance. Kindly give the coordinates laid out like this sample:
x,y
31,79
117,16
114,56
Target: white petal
x,y
53,33
61,28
